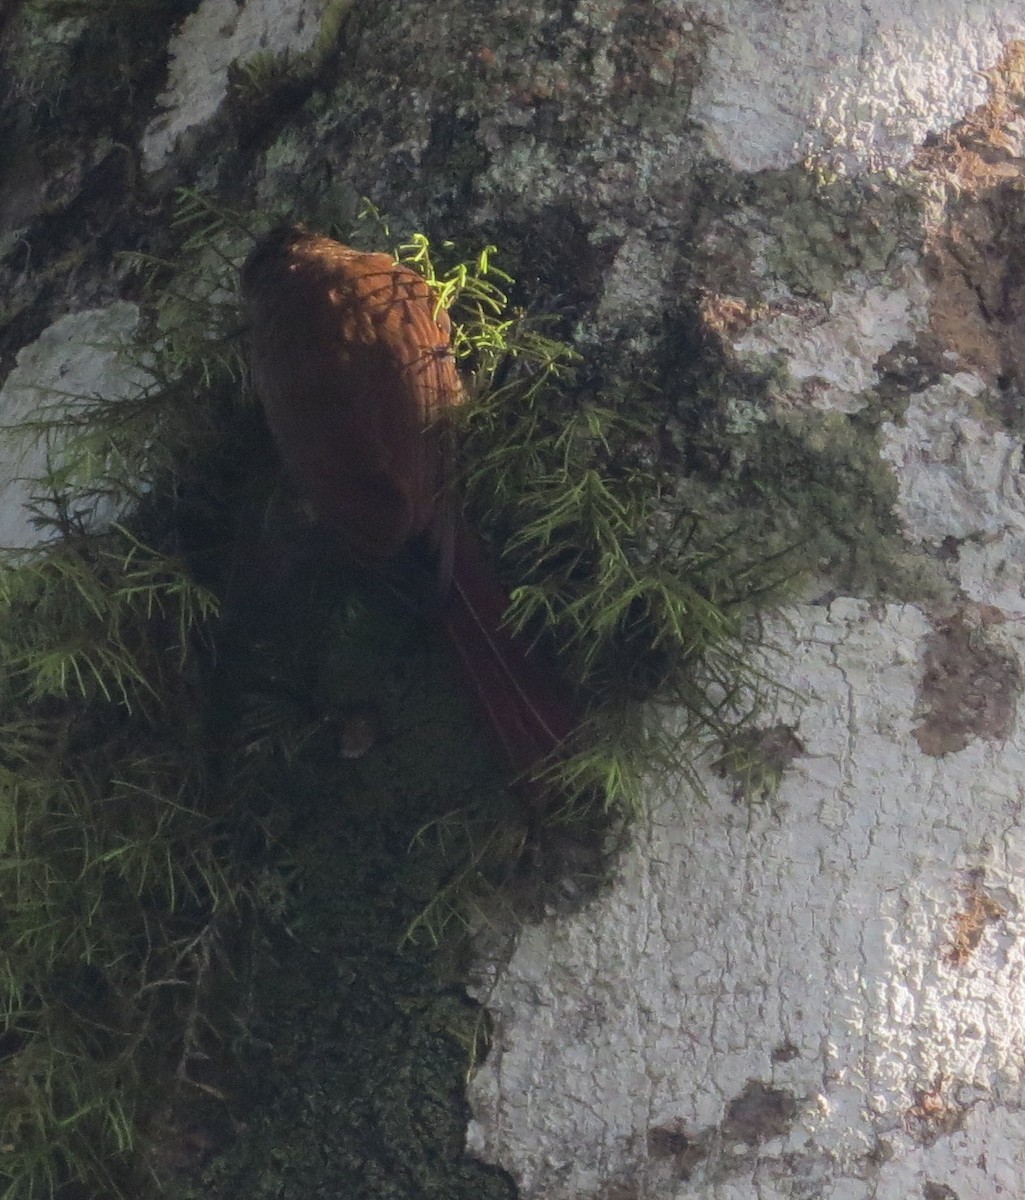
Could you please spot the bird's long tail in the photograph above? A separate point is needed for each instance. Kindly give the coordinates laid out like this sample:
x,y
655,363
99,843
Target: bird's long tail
x,y
515,685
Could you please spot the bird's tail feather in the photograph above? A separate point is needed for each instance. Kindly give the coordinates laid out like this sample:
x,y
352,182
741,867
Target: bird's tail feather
x,y
517,689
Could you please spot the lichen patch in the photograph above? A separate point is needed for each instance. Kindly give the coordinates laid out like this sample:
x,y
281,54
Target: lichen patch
x,y
969,689
672,1141
757,758
759,1113
834,347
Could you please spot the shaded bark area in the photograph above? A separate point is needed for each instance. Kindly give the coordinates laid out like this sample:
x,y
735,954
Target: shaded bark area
x,y
349,1064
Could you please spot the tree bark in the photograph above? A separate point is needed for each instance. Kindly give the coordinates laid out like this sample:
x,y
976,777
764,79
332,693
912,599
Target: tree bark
x,y
818,992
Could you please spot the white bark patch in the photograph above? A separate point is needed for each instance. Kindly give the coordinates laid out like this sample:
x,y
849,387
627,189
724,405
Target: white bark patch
x,y
959,478
833,349
859,81
75,359
217,34
774,999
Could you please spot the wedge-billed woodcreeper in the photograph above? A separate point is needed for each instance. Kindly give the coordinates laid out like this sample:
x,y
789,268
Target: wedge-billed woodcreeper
x,y
351,358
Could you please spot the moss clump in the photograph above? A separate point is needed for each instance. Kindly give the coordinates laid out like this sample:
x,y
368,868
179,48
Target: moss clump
x,y
133,830
116,875
755,761
825,472
820,228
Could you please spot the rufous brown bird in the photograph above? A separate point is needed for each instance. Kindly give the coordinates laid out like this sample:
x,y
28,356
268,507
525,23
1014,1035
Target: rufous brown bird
x,y
351,357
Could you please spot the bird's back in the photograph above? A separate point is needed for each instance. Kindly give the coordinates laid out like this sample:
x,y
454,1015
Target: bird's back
x,y
353,364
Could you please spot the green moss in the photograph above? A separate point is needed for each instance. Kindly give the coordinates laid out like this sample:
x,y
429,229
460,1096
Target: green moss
x,y
331,23
829,470
40,57
825,471
77,84
821,228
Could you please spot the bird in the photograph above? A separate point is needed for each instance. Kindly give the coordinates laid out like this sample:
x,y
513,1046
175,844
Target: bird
x,y
351,356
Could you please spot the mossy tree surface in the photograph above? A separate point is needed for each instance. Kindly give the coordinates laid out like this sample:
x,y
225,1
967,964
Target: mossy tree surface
x,y
236,775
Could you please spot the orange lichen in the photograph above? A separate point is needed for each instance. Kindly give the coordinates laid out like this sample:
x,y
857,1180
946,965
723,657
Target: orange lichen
x,y
728,316
970,924
974,256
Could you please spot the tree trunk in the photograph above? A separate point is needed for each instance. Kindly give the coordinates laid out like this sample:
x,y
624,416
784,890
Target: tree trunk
x,y
806,986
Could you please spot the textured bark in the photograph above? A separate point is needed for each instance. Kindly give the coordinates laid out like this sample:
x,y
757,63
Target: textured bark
x,y
817,997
